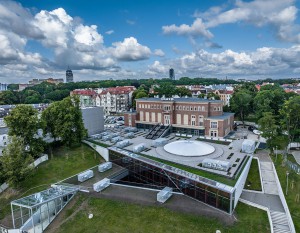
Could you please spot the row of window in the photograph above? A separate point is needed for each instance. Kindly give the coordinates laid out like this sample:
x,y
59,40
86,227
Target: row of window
x,y
178,107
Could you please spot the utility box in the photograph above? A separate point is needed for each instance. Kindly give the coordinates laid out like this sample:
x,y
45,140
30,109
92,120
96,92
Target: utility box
x,y
104,166
101,185
85,175
164,194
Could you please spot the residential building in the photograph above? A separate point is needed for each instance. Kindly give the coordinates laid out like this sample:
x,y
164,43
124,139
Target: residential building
x,y
225,96
115,99
37,81
87,97
3,138
3,87
185,115
69,76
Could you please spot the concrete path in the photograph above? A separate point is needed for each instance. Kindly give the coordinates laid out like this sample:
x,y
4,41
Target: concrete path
x,y
296,155
269,197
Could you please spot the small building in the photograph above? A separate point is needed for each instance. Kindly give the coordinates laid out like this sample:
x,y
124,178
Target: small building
x,y
93,119
248,146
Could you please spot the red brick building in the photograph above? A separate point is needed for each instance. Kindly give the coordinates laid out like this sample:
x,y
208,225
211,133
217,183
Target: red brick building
x,y
186,115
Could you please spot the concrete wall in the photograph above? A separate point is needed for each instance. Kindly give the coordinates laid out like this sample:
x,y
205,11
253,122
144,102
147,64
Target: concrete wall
x,y
93,119
101,150
239,186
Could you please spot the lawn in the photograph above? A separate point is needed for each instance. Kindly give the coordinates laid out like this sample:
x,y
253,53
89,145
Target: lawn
x,y
293,196
64,163
253,179
116,217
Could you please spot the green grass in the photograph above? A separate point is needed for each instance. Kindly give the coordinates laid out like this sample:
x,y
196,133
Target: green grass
x,y
292,199
196,171
112,216
98,143
253,179
213,141
65,162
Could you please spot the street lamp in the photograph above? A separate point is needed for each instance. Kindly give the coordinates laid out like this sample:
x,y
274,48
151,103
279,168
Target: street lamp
x,y
276,154
287,183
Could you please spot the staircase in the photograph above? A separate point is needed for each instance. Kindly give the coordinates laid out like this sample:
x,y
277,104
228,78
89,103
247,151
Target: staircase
x,y
280,222
158,131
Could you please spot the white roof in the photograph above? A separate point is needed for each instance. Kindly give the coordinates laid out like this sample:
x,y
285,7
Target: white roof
x,y
189,148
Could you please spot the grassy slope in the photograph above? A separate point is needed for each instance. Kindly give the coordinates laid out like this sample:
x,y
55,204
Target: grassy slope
x,y
253,179
116,216
293,197
65,162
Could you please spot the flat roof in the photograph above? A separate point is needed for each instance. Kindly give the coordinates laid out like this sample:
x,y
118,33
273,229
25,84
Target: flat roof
x,y
188,99
175,170
225,115
39,198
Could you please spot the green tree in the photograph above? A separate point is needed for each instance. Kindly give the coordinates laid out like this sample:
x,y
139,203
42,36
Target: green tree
x,y
182,91
290,118
269,127
15,162
165,89
241,104
138,93
23,122
8,97
63,121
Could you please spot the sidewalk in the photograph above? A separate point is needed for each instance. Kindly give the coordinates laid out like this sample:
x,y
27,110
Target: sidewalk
x,y
269,197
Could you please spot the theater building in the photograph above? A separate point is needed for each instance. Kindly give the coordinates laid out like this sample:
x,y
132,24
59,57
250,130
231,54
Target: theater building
x,y
184,115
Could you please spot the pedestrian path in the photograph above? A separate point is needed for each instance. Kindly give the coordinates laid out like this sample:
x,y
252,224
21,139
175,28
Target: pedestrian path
x,y
296,155
269,197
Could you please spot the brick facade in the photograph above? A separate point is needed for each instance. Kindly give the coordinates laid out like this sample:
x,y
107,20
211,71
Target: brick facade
x,y
184,113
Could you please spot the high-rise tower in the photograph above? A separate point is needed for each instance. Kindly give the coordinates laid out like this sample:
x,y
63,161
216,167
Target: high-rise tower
x,y
69,75
172,74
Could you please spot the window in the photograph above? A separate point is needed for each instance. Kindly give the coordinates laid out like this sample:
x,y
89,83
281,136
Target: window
x,y
199,108
203,108
180,107
191,108
200,120
176,107
214,125
183,108
193,121
195,108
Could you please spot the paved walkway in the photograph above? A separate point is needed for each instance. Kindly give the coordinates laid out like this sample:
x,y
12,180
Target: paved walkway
x,y
269,197
296,155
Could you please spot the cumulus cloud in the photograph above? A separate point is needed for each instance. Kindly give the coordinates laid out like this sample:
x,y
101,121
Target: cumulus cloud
x,y
130,50
278,14
157,69
159,52
198,28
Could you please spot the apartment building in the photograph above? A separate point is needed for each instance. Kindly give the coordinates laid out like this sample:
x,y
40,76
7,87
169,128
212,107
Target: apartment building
x,y
225,96
185,115
115,99
86,96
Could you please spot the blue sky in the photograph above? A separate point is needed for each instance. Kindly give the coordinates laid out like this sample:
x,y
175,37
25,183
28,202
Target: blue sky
x,y
143,39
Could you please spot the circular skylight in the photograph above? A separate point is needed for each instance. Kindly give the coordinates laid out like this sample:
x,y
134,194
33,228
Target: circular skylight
x,y
189,148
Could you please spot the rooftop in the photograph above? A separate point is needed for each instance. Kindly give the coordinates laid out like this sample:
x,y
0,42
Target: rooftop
x,y
188,99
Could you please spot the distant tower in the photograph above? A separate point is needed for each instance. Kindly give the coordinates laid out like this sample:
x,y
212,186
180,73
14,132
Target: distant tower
x,y
69,75
172,74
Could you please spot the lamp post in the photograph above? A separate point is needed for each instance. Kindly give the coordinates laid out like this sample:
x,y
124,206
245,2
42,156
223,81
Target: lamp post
x,y
276,154
287,183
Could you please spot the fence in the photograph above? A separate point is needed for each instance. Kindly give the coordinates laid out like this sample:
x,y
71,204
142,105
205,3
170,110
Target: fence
x,y
294,167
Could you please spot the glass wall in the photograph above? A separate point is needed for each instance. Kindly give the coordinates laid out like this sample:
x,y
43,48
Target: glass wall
x,y
147,174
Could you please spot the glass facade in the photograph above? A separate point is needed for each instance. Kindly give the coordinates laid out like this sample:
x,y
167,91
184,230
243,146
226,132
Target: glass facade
x,y
146,173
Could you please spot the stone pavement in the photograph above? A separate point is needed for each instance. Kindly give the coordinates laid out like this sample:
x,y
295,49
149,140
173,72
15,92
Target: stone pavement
x,y
269,197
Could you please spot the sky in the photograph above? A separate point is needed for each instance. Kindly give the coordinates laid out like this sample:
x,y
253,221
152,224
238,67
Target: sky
x,y
104,39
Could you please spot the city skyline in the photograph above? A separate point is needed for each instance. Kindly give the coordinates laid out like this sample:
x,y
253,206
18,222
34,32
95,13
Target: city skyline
x,y
144,39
